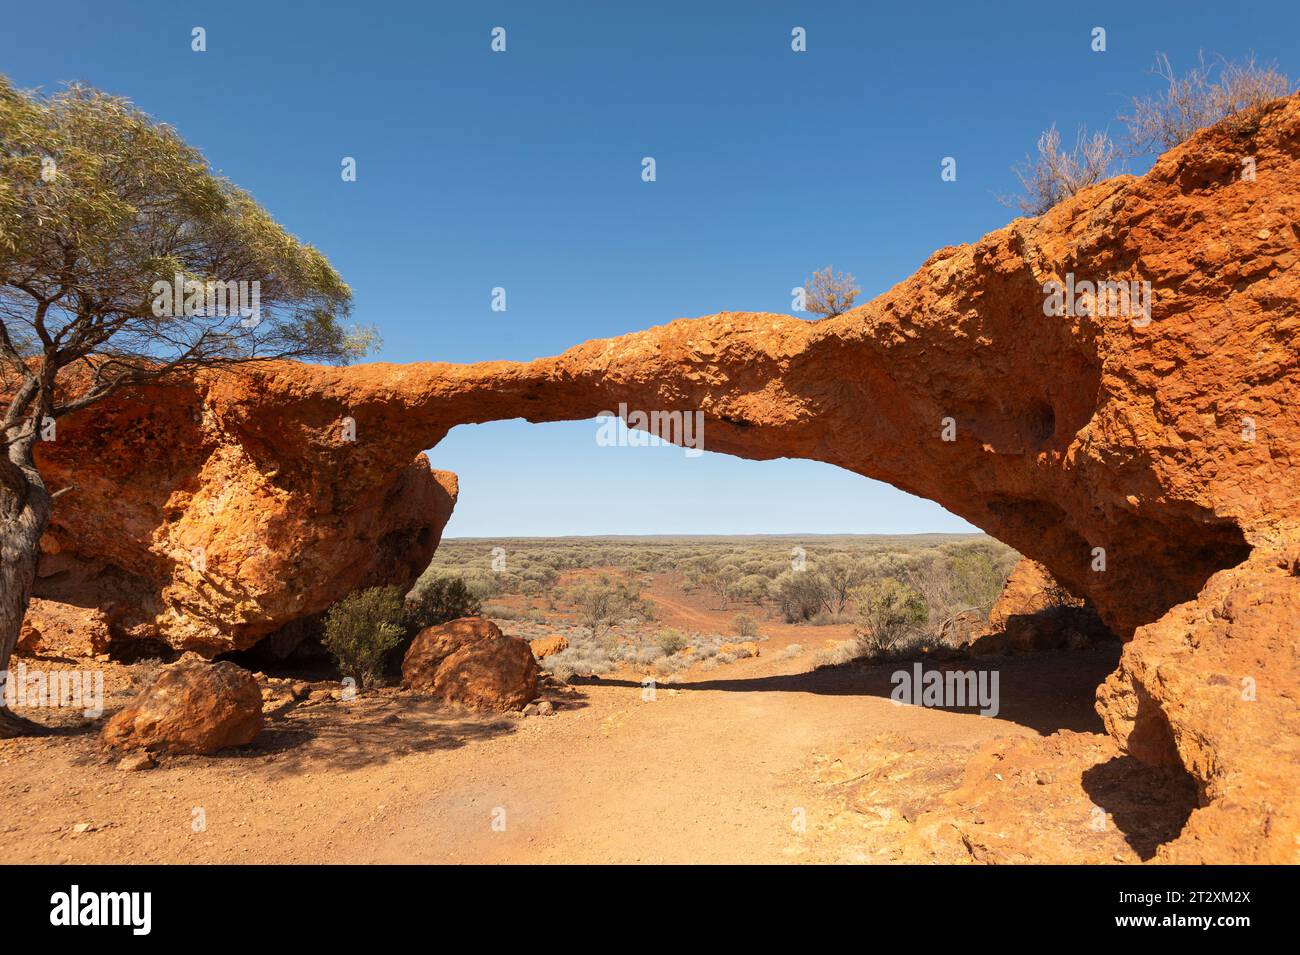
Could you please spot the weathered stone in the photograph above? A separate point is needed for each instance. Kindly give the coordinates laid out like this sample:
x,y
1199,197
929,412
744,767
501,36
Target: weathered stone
x,y
471,662
192,706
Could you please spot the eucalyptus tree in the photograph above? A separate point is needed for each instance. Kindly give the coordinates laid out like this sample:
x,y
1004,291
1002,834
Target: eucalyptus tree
x,y
125,259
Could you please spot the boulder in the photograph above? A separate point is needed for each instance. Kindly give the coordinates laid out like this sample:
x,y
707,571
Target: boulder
x,y
543,647
192,706
472,663
1034,612
51,628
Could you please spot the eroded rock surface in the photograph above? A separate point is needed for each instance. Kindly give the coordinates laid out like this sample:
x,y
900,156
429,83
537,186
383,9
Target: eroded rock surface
x,y
192,706
1134,460
470,662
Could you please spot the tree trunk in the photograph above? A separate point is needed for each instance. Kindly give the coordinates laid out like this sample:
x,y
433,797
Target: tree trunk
x,y
24,514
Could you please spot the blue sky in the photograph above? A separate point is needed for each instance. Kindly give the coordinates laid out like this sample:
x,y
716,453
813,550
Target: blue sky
x,y
522,170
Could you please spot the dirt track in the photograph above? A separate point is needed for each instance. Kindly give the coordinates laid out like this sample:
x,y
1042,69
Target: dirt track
x,y
713,769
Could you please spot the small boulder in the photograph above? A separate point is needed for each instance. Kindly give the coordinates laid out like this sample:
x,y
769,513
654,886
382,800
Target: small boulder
x,y
471,662
137,761
192,706
543,647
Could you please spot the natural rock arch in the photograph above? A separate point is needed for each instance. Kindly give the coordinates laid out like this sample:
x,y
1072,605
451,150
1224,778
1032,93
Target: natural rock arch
x,y
1167,444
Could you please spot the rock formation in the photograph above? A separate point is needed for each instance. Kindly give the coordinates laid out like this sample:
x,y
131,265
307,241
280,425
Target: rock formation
x,y
470,662
191,707
1034,612
206,518
1136,460
544,647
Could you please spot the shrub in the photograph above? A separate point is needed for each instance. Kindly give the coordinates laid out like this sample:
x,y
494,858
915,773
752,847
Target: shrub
x,y
830,294
753,587
440,600
1201,97
361,629
1055,174
671,641
798,594
888,610
743,625
597,606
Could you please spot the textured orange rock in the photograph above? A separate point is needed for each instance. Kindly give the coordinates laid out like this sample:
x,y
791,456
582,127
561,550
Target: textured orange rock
x,y
1069,798
1213,685
544,647
471,662
1133,460
61,629
210,522
191,707
1034,612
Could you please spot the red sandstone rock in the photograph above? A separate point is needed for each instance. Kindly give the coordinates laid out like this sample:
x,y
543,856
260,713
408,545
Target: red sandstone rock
x,y
544,647
191,707
471,662
59,629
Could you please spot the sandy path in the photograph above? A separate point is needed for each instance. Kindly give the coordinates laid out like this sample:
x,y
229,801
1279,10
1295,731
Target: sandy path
x,y
712,770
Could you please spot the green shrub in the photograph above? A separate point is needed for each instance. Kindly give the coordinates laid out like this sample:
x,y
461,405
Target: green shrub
x,y
671,641
889,610
743,625
439,600
361,629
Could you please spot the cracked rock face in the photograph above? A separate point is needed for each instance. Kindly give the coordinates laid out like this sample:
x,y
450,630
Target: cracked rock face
x,y
1135,460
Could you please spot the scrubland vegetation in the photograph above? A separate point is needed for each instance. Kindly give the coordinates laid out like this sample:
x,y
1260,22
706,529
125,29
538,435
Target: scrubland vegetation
x,y
1208,93
897,594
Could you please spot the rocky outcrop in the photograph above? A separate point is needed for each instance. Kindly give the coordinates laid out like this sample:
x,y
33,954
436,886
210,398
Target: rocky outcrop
x,y
470,662
64,630
1034,612
1212,686
1136,455
544,647
191,707
208,518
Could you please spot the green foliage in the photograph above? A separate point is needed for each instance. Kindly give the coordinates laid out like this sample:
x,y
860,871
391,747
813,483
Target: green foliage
x,y
438,600
361,629
671,641
888,609
798,595
743,625
98,202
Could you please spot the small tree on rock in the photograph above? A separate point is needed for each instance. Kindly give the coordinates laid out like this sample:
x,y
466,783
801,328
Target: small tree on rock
x,y
1055,174
1206,94
830,293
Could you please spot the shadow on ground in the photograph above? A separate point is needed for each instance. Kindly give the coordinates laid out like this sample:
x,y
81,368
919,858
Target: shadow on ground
x,y
1045,691
1148,804
374,731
